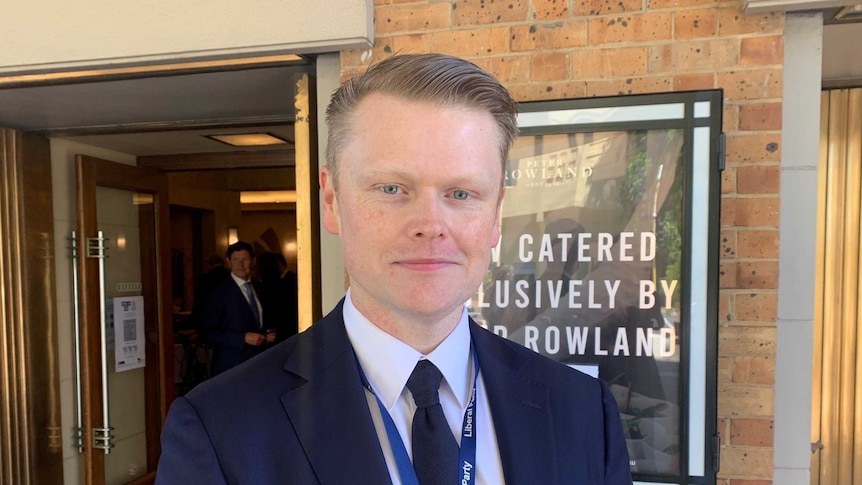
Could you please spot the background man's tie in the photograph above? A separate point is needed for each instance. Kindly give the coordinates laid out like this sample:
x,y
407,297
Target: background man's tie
x,y
435,450
252,302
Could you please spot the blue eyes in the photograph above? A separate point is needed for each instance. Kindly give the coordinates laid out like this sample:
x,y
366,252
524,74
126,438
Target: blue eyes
x,y
390,189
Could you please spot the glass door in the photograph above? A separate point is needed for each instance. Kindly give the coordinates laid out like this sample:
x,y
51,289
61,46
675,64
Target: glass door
x,y
125,326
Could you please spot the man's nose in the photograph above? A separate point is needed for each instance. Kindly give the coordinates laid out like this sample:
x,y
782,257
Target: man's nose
x,y
428,217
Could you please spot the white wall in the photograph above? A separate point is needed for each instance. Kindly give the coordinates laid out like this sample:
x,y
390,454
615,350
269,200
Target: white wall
x,y
800,139
39,35
63,179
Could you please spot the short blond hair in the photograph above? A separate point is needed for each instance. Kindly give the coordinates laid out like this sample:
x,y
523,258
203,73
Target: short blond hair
x,y
435,78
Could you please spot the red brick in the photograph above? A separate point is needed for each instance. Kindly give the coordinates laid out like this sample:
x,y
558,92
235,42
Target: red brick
x,y
747,401
724,313
748,275
472,12
705,55
606,63
552,90
661,58
356,61
549,67
730,117
727,275
709,55
732,21
752,244
734,340
469,43
725,370
632,85
693,24
753,370
756,307
606,7
750,211
758,179
385,47
727,248
728,180
659,4
508,69
553,36
758,147
693,82
754,462
410,18
723,429
755,275
760,116
550,9
761,51
630,28
753,84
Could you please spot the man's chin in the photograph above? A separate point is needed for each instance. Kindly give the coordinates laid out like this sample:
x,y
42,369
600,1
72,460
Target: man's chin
x,y
434,309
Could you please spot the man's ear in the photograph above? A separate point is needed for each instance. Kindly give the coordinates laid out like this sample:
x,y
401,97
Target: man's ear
x,y
330,201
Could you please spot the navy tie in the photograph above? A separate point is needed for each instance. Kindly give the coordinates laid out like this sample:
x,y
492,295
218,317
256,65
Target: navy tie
x,y
435,451
252,302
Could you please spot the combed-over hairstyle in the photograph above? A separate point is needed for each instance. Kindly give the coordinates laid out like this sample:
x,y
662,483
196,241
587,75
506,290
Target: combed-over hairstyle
x,y
240,246
435,78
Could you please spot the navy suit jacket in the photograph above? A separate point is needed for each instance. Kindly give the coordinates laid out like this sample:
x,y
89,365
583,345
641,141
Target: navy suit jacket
x,y
227,319
297,414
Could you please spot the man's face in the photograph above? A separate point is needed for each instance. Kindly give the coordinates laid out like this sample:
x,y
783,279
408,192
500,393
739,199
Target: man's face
x,y
417,207
240,264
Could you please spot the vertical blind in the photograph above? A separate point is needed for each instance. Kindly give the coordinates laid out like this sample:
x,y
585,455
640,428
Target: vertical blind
x,y
837,393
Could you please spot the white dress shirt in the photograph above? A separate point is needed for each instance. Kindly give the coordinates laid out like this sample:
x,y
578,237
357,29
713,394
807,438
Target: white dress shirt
x,y
241,283
388,363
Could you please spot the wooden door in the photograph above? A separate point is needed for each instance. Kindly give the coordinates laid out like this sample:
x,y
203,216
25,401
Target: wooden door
x,y
126,334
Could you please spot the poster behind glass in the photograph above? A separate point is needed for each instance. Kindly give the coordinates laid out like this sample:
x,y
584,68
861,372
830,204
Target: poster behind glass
x,y
588,271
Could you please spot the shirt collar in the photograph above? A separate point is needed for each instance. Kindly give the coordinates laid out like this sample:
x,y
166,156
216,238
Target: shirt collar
x,y
388,362
239,281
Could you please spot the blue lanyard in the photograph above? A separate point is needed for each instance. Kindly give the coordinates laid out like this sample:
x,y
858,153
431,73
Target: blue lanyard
x,y
467,474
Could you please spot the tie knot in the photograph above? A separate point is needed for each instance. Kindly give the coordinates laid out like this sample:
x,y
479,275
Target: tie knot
x,y
424,383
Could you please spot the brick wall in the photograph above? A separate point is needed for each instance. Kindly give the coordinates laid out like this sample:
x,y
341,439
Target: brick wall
x,y
557,49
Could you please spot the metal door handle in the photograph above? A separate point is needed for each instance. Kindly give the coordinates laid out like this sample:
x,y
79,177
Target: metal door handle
x,y
102,437
76,317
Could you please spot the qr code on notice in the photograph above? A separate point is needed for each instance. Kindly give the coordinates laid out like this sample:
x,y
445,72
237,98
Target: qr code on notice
x,y
130,330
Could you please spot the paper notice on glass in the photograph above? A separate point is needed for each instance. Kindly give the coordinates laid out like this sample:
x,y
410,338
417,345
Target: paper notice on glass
x,y
129,333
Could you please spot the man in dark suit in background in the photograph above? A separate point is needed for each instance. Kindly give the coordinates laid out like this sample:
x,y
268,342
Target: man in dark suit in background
x,y
216,273
278,295
397,384
234,319
291,289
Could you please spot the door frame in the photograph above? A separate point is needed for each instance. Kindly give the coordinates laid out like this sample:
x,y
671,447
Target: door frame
x,y
158,373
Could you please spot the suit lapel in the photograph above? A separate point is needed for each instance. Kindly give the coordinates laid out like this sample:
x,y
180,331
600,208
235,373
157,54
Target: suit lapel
x,y
521,412
329,411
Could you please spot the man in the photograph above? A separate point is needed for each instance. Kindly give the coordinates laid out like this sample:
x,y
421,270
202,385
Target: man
x,y
413,186
233,321
216,273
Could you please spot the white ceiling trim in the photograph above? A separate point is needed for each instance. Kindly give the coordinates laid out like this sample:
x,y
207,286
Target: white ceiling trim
x,y
761,6
56,35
